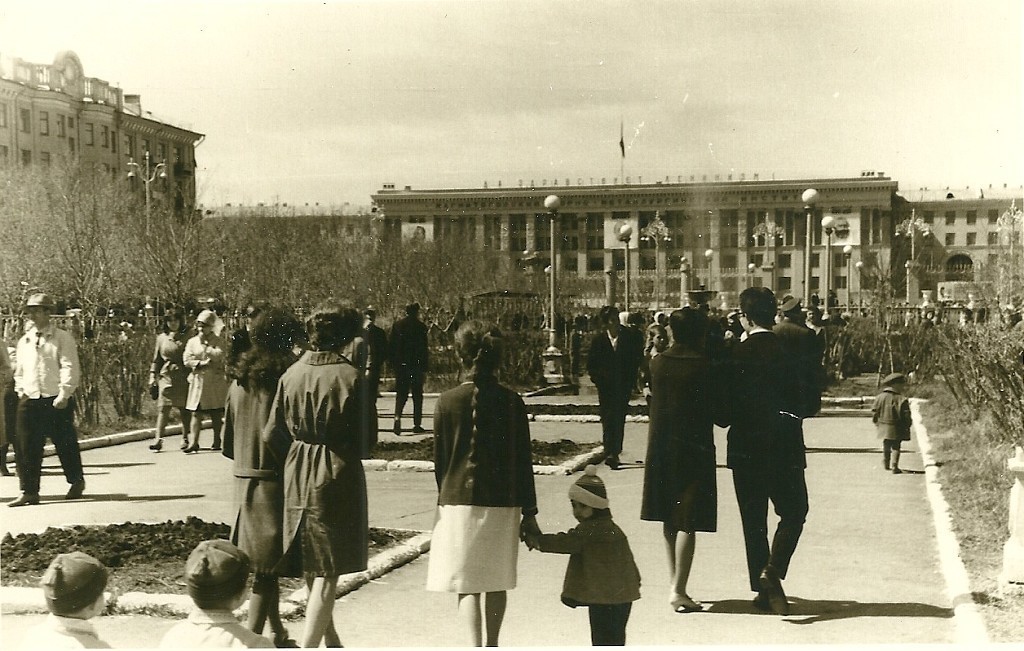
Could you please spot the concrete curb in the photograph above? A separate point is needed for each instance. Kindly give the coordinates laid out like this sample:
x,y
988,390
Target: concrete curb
x,y
16,600
969,624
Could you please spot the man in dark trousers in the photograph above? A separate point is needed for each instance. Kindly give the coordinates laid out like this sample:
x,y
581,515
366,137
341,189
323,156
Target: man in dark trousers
x,y
409,352
766,447
377,352
612,363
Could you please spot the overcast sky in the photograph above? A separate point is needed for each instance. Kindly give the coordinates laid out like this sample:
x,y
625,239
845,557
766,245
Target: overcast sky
x,y
326,101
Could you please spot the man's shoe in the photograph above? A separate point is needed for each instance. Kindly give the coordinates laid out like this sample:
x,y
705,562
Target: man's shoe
x,y
216,446
5,471
772,587
761,602
897,471
397,429
612,462
25,500
77,489
418,430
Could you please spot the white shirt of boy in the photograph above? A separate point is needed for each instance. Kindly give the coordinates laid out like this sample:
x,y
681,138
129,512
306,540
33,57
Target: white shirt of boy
x,y
63,633
213,629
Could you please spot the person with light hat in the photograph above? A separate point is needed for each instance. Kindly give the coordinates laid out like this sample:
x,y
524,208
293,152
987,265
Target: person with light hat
x,y
46,374
602,573
205,355
891,415
217,575
73,586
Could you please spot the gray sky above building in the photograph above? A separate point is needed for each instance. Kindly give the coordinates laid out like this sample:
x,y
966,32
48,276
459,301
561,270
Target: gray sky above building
x,y
325,101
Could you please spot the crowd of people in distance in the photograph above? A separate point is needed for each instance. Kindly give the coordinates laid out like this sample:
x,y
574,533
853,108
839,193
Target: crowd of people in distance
x,y
293,406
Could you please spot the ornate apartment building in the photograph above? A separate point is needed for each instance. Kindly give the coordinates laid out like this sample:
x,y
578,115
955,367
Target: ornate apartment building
x,y
52,110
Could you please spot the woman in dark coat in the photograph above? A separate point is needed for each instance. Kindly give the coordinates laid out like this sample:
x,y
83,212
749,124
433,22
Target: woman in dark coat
x,y
168,376
256,363
314,428
679,479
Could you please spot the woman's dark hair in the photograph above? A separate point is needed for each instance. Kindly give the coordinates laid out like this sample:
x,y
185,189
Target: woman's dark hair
x,y
689,327
760,306
332,325
169,315
258,361
479,346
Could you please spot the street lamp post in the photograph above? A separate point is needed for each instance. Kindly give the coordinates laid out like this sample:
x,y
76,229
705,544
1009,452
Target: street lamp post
x,y
625,234
750,274
770,231
159,170
909,228
684,280
828,222
708,254
848,252
657,232
860,283
554,368
809,197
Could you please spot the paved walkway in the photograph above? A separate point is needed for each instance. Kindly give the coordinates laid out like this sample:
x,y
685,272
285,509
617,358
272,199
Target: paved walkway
x,y
866,572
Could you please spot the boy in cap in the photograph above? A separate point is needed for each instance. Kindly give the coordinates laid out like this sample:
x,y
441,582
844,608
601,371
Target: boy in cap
x,y
891,415
601,574
217,575
73,585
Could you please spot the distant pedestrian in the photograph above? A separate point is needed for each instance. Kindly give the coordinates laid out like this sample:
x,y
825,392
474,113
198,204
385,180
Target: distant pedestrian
x,y
680,486
409,357
259,475
46,374
613,360
656,343
216,574
73,586
168,376
313,429
891,415
205,355
602,574
377,342
486,496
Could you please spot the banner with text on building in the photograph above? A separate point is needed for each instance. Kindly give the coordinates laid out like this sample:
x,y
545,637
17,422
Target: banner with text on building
x,y
611,232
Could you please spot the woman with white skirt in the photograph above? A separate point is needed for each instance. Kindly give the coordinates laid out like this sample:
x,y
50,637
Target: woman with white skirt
x,y
486,496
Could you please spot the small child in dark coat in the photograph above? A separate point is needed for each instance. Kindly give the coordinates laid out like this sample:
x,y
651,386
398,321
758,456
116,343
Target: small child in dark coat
x,y
602,574
891,415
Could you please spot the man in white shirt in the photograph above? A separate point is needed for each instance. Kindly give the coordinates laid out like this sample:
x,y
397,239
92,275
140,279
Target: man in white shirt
x,y
46,375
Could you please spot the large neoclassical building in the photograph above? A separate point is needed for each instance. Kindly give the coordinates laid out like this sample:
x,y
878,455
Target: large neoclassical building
x,y
50,110
724,234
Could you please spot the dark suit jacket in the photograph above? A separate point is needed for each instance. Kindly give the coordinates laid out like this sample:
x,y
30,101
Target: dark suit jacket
x,y
409,348
762,388
803,363
613,370
377,340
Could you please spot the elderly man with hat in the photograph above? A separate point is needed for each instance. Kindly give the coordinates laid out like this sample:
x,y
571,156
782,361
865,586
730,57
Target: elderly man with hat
x,y
46,373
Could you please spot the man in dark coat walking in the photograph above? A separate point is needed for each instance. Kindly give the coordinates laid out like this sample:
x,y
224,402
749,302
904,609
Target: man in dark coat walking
x,y
612,363
766,447
377,353
803,355
409,353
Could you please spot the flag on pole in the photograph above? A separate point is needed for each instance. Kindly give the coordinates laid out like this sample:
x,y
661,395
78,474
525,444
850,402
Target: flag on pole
x,y
622,139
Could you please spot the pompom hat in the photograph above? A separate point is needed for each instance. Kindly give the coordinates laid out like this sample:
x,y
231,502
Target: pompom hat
x,y
72,582
589,489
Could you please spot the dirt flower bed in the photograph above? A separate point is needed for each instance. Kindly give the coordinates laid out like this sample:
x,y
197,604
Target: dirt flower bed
x,y
545,453
141,557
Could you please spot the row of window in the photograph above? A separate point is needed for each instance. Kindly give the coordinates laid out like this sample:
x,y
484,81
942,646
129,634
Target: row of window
x,y
971,216
105,136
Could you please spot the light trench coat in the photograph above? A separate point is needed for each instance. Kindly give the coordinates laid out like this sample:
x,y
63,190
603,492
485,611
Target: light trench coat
x,y
207,383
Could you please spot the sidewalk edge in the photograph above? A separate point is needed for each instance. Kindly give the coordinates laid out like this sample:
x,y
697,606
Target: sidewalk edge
x,y
969,624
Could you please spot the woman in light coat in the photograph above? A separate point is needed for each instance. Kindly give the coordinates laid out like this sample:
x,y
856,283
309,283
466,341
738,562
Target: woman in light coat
x,y
207,384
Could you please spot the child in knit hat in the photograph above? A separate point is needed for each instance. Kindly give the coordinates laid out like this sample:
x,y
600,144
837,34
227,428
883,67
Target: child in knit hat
x,y
73,585
891,414
217,575
601,574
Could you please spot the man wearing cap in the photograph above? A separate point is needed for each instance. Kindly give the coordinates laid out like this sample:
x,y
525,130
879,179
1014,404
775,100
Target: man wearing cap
x,y
409,356
46,375
377,344
803,355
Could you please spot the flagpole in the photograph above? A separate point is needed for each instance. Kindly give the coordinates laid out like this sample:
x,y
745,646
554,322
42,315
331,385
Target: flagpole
x,y
622,149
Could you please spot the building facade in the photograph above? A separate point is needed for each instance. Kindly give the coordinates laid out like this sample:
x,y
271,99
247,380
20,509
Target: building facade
x,y
48,111
724,235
